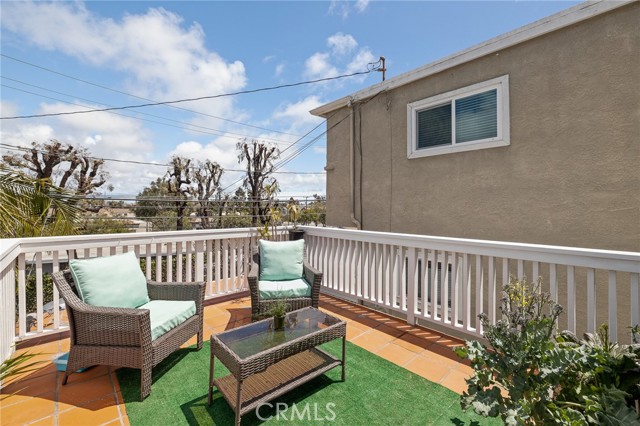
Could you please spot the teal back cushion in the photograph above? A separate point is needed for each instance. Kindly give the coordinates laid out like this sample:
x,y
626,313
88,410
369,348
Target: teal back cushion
x,y
114,281
281,260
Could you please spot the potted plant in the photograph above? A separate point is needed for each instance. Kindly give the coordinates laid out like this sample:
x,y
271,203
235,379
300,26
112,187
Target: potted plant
x,y
278,311
293,210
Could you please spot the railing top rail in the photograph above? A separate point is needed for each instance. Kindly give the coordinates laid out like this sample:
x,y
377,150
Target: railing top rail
x,y
9,249
28,245
624,261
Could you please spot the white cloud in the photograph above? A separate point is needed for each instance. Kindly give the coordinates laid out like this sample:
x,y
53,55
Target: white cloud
x,y
279,69
165,58
8,109
104,135
343,57
342,44
343,8
319,65
320,149
298,113
361,5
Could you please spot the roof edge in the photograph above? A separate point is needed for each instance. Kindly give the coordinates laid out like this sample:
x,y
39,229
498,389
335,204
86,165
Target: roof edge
x,y
564,18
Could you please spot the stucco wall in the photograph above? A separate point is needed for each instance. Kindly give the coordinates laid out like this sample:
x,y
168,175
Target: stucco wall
x,y
571,175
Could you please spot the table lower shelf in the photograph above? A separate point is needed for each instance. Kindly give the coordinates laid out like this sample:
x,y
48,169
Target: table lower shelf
x,y
276,380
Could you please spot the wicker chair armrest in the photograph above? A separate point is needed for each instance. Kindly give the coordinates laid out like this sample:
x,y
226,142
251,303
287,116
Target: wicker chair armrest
x,y
105,326
313,277
178,291
310,273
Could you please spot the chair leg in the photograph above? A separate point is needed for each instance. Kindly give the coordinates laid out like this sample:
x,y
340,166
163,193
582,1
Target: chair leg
x,y
145,381
64,381
199,345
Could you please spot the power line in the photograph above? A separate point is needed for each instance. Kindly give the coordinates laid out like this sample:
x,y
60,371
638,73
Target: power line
x,y
220,133
142,98
27,149
241,92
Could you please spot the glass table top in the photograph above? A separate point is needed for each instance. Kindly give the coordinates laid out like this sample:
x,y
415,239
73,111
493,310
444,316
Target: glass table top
x,y
260,336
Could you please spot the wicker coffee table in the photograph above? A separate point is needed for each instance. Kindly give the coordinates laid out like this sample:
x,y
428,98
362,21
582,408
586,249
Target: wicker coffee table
x,y
266,363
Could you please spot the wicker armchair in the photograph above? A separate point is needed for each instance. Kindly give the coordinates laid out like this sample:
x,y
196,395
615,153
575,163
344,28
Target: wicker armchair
x,y
122,336
260,307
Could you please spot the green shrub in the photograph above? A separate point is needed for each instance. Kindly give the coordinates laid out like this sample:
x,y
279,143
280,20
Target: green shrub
x,y
529,376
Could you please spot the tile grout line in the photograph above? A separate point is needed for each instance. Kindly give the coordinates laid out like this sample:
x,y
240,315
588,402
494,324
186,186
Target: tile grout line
x,y
115,393
56,403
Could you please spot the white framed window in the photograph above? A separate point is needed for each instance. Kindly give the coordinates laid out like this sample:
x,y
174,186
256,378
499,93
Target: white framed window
x,y
473,117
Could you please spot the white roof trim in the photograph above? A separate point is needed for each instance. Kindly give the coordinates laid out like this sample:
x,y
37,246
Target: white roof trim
x,y
543,26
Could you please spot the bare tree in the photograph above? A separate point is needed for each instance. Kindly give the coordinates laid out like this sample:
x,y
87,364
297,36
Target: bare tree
x,y
259,157
206,180
178,180
67,166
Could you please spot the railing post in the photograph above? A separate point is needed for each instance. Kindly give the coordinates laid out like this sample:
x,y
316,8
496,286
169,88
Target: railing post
x,y
412,280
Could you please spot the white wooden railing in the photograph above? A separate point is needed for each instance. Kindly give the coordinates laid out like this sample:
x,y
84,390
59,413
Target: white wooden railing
x,y
218,257
396,272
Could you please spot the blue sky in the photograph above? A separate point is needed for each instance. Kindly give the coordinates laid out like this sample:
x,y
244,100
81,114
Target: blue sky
x,y
176,50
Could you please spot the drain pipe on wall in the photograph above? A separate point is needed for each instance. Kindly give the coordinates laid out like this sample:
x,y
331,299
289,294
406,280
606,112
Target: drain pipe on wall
x,y
352,172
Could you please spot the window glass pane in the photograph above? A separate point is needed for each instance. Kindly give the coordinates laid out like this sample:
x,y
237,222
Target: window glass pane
x,y
477,117
434,126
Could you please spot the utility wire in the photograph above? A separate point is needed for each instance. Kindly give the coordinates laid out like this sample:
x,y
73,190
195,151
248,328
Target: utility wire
x,y
218,132
28,149
241,92
141,98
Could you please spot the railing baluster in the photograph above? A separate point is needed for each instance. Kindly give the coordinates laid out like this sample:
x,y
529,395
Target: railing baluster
x,y
635,299
403,279
22,296
147,262
246,262
492,290
613,304
189,260
479,293
339,265
444,289
225,265
591,300
158,262
379,272
55,267
412,283
217,268
435,276
466,290
505,272
455,289
179,261
571,299
169,262
520,269
423,259
553,282
39,299
199,261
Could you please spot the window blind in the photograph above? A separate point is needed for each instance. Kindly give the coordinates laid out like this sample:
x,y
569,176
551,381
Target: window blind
x,y
434,126
477,117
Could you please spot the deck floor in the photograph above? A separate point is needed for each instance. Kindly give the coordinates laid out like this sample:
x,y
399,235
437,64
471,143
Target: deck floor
x,y
93,397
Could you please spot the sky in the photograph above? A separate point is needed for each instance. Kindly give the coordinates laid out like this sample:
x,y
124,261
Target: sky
x,y
72,56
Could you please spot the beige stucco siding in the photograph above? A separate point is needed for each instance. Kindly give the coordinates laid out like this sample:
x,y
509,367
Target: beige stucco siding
x,y
570,176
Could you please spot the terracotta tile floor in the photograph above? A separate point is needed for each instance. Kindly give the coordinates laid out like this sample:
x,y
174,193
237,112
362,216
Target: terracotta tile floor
x,y
93,397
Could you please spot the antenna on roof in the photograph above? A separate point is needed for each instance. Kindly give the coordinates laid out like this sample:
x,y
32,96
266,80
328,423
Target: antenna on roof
x,y
382,68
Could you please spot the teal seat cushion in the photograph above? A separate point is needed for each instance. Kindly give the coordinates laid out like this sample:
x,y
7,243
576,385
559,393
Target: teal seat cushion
x,y
284,289
113,281
168,314
281,260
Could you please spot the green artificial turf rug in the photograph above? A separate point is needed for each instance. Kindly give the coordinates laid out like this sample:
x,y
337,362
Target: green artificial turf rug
x,y
376,392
